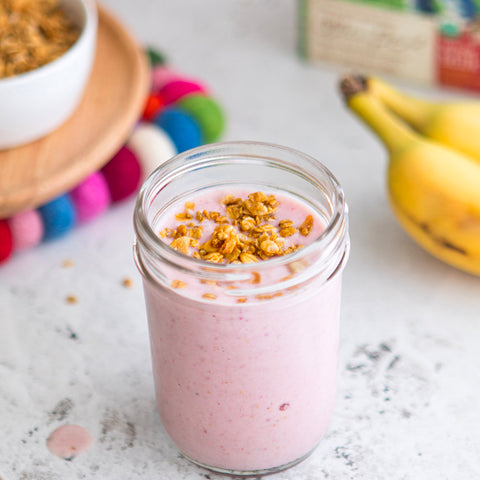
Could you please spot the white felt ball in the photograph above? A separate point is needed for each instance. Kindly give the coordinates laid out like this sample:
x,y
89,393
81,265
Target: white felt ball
x,y
152,146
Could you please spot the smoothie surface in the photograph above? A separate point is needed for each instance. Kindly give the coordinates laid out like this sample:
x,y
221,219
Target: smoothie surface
x,y
238,225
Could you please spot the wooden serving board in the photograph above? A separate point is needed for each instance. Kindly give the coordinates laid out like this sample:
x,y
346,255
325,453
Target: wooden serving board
x,y
35,173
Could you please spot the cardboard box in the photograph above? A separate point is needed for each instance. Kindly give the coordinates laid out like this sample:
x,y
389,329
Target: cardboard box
x,y
429,41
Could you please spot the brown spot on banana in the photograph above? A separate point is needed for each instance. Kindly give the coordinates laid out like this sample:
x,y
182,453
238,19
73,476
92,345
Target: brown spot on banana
x,y
437,239
423,226
451,246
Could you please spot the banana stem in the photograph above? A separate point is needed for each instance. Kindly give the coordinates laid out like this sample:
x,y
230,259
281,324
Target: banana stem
x,y
414,111
394,133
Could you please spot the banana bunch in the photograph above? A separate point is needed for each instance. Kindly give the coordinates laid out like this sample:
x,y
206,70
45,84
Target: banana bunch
x,y
434,166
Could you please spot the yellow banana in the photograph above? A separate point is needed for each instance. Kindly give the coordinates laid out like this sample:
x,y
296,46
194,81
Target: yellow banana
x,y
434,191
455,124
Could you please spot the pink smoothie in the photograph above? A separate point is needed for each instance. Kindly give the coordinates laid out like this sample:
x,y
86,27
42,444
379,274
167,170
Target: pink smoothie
x,y
245,386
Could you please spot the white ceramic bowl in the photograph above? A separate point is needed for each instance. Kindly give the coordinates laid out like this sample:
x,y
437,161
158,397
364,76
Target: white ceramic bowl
x,y
35,103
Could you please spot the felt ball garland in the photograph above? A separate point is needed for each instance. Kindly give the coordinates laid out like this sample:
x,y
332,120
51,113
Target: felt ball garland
x,y
179,114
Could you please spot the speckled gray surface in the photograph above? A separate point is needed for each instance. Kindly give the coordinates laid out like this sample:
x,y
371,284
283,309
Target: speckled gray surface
x,y
409,382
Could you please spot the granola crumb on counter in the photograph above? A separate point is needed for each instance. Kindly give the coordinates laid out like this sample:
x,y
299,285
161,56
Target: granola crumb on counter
x,y
127,282
71,299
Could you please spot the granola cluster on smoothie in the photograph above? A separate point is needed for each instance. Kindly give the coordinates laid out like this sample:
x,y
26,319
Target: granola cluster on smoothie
x,y
247,232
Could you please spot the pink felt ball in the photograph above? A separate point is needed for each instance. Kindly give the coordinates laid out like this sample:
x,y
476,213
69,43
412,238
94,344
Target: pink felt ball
x,y
91,198
27,229
122,174
177,89
161,75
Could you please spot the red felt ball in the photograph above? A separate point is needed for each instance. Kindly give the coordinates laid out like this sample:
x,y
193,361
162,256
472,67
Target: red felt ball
x,y
153,105
6,241
122,174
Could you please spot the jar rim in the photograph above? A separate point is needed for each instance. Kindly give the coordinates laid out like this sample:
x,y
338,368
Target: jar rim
x,y
240,149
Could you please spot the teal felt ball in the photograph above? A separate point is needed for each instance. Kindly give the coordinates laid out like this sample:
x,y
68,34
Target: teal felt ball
x,y
182,128
58,217
207,113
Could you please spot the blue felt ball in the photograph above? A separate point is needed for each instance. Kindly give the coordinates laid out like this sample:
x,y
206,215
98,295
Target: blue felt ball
x,y
58,217
181,128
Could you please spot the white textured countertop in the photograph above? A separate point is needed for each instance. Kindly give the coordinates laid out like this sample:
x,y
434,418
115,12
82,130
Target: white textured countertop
x,y
409,376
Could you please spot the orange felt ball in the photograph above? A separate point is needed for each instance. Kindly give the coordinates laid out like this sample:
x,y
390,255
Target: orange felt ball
x,y
153,105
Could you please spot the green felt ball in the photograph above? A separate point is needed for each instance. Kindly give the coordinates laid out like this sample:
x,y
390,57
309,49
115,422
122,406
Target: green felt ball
x,y
207,112
155,57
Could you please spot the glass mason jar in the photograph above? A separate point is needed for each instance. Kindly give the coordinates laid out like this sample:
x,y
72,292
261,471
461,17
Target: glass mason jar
x,y
244,388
